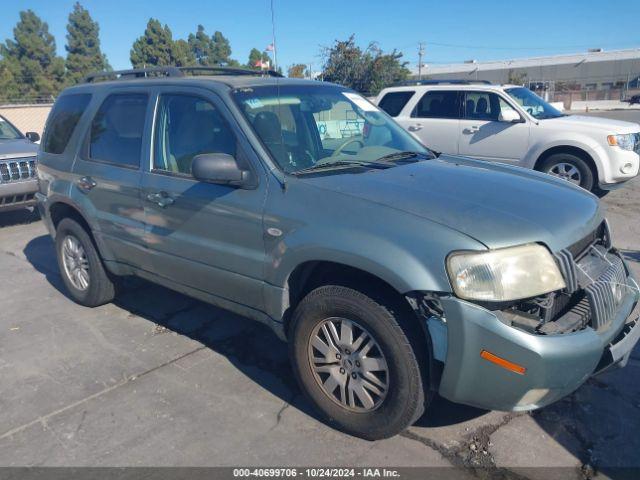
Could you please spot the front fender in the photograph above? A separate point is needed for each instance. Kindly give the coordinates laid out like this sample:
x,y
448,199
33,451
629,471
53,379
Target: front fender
x,y
385,259
569,139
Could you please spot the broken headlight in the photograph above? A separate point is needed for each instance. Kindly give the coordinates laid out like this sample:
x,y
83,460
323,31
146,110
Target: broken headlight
x,y
505,274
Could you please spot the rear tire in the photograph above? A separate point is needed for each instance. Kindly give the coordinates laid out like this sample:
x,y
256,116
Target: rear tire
x,y
570,167
80,265
390,364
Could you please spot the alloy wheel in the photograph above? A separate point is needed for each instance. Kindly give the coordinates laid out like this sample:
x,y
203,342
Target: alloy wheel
x,y
566,171
76,264
348,364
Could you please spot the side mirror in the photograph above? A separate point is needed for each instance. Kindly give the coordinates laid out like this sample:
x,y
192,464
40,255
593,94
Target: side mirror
x,y
219,168
33,136
509,116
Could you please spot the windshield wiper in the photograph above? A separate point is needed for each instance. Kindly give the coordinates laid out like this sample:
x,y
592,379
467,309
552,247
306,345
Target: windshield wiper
x,y
399,156
339,163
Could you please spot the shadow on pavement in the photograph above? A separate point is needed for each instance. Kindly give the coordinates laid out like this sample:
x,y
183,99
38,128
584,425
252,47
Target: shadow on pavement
x,y
18,217
631,255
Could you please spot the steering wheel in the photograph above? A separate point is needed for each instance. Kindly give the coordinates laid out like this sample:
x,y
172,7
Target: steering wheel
x,y
339,150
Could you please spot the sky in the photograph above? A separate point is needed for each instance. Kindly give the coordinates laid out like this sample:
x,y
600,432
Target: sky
x,y
452,31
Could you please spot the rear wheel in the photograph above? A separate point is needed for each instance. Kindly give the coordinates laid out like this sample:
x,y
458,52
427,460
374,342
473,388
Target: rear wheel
x,y
571,168
356,362
81,267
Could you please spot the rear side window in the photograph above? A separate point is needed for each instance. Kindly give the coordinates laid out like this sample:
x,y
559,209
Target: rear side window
x,y
438,104
117,128
63,120
394,102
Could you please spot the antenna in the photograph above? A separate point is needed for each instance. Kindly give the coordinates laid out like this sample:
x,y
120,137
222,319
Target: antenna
x,y
273,37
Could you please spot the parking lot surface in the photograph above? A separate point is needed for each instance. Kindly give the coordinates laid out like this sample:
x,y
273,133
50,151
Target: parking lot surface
x,y
158,379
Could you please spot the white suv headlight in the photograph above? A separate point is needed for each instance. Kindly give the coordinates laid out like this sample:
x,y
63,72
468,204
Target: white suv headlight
x,y
626,141
505,274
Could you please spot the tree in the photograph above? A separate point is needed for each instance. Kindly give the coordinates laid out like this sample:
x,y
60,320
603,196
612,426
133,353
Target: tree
x,y
155,47
83,46
201,46
256,56
214,50
182,54
29,65
384,69
221,48
298,70
367,71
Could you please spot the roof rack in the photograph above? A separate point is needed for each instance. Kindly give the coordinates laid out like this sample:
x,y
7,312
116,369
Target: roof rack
x,y
137,73
409,83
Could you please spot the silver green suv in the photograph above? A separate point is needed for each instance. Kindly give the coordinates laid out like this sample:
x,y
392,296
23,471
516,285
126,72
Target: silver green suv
x,y
392,273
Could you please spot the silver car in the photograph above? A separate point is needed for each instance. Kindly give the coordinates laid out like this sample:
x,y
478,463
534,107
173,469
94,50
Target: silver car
x,y
18,183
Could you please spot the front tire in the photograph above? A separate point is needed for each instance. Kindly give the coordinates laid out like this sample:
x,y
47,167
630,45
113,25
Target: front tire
x,y
571,168
354,359
81,267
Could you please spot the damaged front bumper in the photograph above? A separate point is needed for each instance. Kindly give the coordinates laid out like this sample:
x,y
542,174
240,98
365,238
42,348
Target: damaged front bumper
x,y
555,365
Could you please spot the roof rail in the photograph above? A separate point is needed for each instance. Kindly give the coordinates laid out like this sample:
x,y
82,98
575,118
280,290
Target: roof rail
x,y
231,71
409,83
137,73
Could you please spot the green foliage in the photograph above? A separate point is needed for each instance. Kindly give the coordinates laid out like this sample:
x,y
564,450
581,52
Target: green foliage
x,y
182,54
256,55
29,65
299,70
221,48
367,71
83,46
214,50
155,47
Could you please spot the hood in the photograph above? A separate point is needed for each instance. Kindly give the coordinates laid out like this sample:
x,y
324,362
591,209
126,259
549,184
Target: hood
x,y
592,123
20,147
495,204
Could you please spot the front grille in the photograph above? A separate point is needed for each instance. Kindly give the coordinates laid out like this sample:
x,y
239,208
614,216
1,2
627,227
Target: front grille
x,y
17,169
637,149
606,293
588,266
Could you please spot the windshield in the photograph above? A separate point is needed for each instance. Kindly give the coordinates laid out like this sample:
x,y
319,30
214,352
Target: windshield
x,y
8,131
533,104
316,126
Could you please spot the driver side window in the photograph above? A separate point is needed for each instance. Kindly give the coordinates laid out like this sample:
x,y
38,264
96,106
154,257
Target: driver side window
x,y
187,126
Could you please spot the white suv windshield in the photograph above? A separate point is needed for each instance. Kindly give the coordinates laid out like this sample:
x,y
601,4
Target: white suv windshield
x,y
310,126
533,104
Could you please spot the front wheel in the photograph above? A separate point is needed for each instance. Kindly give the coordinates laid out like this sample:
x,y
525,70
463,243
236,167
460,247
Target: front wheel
x,y
571,168
354,359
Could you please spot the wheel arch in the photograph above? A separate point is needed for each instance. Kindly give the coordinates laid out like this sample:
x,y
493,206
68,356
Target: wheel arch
x,y
60,209
573,150
316,273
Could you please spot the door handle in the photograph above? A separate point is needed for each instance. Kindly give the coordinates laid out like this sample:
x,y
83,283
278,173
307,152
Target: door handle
x,y
162,199
471,129
86,184
415,128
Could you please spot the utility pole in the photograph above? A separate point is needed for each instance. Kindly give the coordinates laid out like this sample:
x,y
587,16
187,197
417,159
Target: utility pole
x,y
420,55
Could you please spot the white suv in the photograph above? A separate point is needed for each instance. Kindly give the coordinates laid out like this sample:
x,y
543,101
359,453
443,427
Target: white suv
x,y
511,124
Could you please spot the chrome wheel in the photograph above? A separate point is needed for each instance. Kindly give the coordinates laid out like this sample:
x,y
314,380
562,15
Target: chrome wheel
x,y
566,171
348,364
76,265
